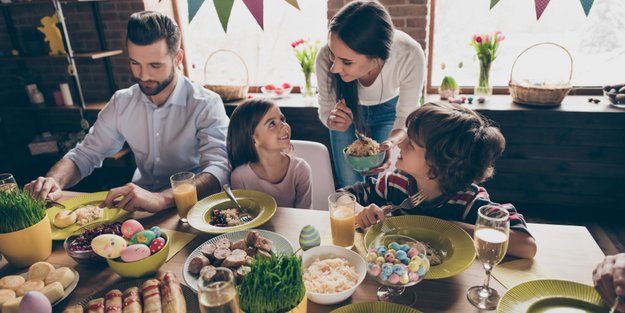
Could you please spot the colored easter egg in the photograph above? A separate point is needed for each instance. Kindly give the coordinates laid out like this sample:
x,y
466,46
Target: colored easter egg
x,y
403,279
404,248
135,252
131,227
108,245
381,251
380,260
401,254
387,269
393,278
413,276
35,301
414,266
394,245
421,271
375,270
389,257
383,276
157,231
157,244
309,237
372,256
398,269
144,237
412,252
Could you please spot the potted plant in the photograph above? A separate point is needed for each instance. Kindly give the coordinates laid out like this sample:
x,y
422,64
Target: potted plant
x,y
25,234
449,88
274,284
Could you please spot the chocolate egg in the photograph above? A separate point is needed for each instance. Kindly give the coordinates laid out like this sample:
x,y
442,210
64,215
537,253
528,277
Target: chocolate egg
x,y
135,253
309,237
35,301
157,244
144,237
108,245
131,227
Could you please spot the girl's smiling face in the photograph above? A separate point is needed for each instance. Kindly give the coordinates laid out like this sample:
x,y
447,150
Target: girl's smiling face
x,y
273,133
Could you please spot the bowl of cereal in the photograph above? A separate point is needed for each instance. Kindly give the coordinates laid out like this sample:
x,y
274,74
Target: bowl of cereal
x,y
364,154
331,273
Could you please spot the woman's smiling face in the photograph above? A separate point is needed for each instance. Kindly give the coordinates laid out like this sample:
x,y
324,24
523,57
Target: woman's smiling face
x,y
349,64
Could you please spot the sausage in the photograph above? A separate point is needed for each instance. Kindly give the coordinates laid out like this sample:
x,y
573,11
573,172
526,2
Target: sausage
x,y
251,237
96,306
241,244
263,243
234,260
75,308
220,255
223,243
151,296
172,299
251,251
196,264
208,272
263,254
132,300
208,250
113,301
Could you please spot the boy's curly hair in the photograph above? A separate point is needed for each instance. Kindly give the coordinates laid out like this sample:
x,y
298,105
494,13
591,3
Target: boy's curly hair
x,y
461,146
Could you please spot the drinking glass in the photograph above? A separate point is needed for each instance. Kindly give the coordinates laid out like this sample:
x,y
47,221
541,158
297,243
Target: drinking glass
x,y
7,183
342,218
185,193
490,238
218,294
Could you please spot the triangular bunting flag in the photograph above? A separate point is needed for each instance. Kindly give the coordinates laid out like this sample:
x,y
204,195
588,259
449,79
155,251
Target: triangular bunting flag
x,y
296,5
224,8
194,6
493,3
586,4
256,8
540,7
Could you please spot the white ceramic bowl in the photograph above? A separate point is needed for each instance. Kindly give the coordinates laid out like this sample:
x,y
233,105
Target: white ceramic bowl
x,y
330,252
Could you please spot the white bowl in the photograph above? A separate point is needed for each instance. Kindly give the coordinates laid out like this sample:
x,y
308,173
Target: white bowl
x,y
330,252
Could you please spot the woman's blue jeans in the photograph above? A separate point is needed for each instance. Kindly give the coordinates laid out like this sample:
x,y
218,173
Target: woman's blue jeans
x,y
378,121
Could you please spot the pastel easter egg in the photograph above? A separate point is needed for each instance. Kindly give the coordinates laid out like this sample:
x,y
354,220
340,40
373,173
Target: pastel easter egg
x,y
398,269
403,279
416,258
144,237
35,301
393,278
397,261
372,256
421,271
381,251
413,276
135,252
375,270
394,245
389,257
157,244
131,227
425,263
405,261
387,269
309,237
404,248
412,252
157,231
380,260
108,245
414,266
401,254
383,276
393,251
374,250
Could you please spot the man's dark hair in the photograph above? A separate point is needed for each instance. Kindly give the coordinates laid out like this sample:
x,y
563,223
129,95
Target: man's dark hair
x,y
148,27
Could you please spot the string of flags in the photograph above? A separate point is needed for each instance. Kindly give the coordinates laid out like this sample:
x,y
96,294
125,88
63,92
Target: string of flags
x,y
541,5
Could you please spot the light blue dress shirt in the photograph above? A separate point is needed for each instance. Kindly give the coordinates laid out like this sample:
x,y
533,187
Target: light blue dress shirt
x,y
187,133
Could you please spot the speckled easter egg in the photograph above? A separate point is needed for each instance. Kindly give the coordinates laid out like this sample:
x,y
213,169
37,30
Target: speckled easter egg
x,y
131,227
157,244
156,230
143,237
309,237
108,245
35,301
135,253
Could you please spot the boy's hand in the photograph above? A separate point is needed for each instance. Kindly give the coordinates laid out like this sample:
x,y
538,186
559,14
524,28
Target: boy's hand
x,y
369,215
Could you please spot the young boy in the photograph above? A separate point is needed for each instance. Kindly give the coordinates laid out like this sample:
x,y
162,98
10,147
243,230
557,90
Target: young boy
x,y
448,150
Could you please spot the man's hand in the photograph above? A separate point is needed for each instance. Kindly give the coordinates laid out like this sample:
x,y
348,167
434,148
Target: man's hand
x,y
45,188
369,215
609,279
340,117
135,198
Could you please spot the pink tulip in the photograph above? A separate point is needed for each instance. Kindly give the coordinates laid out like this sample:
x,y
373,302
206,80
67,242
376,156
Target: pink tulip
x,y
478,39
501,37
486,38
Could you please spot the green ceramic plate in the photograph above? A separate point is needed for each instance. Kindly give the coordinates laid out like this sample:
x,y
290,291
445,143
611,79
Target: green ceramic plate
x,y
550,295
110,214
280,245
260,205
440,234
375,307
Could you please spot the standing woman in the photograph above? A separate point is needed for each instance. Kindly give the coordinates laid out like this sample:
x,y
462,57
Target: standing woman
x,y
370,78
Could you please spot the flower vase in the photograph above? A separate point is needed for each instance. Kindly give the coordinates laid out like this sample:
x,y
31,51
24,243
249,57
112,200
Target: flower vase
x,y
308,90
483,89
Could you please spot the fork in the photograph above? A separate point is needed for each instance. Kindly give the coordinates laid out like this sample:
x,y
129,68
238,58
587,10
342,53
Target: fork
x,y
244,216
616,303
410,202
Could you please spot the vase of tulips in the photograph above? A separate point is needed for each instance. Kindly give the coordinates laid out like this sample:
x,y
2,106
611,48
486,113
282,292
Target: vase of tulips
x,y
306,52
486,46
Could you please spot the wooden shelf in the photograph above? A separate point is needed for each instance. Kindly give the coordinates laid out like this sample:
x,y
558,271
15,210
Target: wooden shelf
x,y
82,55
45,2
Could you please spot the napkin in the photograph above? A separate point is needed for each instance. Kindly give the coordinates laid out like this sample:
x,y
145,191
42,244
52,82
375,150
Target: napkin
x,y
177,241
512,273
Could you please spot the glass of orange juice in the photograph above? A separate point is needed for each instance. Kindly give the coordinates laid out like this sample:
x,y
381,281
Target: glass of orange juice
x,y
342,218
185,193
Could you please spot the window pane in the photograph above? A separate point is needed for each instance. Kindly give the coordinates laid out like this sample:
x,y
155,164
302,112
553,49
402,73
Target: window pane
x,y
596,42
267,54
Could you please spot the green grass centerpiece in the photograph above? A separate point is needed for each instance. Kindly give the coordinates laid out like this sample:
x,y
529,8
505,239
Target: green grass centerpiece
x,y
19,210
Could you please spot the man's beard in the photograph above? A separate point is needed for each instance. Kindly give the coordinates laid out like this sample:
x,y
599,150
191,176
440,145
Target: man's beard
x,y
153,91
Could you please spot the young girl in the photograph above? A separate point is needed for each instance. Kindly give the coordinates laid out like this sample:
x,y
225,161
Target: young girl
x,y
448,150
259,140
369,76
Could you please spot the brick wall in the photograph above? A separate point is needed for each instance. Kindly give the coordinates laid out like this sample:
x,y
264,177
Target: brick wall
x,y
83,36
410,16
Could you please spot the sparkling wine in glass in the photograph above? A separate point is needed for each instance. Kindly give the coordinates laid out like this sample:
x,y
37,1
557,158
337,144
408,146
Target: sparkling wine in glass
x,y
490,238
7,183
218,295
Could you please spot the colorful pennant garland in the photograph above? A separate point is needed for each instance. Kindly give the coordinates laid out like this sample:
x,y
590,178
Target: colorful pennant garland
x,y
224,8
541,5
256,8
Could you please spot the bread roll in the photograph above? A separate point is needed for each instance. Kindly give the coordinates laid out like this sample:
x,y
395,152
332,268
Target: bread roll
x,y
54,291
64,218
40,271
63,275
11,282
172,299
30,285
132,300
151,296
12,306
6,295
96,306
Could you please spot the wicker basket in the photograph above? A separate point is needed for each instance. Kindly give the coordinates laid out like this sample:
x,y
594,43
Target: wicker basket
x,y
229,92
540,95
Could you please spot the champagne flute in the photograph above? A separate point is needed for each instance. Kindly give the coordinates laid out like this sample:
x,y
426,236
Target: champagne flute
x,y
217,293
490,238
7,183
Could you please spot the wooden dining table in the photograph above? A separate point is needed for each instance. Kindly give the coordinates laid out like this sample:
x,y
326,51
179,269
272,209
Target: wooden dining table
x,y
568,252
